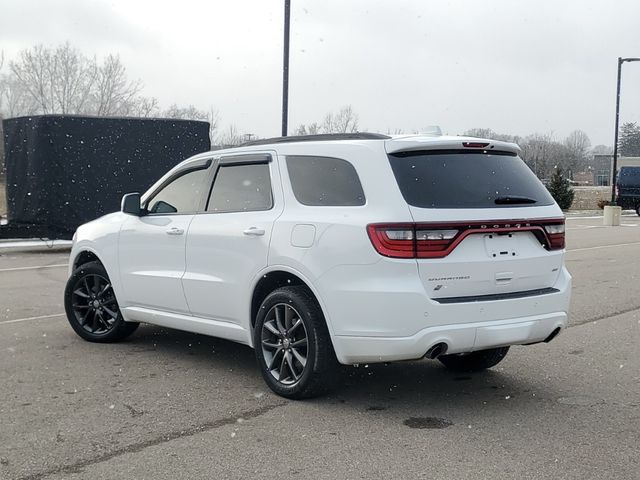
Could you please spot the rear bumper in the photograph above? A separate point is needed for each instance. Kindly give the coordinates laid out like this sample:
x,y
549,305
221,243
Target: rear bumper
x,y
459,338
387,316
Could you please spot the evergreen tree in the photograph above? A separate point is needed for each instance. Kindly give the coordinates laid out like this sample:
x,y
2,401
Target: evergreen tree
x,y
629,145
561,190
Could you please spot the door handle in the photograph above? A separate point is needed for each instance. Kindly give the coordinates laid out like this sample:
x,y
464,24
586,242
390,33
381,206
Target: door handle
x,y
254,231
175,231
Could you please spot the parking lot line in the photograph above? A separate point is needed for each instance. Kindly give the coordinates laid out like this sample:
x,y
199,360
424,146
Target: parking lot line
x,y
598,247
33,268
26,319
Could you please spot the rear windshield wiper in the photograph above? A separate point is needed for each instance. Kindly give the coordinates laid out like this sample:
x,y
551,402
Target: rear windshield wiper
x,y
514,199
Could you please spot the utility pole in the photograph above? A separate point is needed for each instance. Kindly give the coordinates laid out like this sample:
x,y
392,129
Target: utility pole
x,y
615,142
285,69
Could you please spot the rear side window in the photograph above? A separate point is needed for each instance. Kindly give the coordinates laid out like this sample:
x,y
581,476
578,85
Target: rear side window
x,y
241,188
324,181
467,179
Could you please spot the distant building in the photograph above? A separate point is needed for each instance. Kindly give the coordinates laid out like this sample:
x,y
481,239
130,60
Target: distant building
x,y
600,168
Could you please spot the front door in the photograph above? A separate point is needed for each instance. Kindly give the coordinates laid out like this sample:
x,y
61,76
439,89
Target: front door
x,y
152,247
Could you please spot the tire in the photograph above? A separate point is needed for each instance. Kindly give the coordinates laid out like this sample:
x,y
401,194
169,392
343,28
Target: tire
x,y
289,328
638,209
92,308
474,361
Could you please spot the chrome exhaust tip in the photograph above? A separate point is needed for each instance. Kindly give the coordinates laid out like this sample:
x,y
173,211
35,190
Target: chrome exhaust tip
x,y
437,350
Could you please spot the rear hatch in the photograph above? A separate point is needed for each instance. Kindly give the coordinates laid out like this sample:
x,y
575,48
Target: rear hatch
x,y
485,227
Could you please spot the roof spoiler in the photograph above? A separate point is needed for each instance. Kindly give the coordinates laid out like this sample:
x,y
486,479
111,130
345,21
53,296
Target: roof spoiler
x,y
427,142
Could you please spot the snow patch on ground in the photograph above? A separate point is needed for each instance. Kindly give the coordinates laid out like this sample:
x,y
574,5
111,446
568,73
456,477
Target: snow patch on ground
x,y
30,243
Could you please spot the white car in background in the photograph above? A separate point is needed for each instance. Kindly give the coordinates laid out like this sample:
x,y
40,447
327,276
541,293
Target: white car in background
x,y
332,249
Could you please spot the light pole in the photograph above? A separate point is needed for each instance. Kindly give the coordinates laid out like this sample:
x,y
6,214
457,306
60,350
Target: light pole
x,y
615,142
285,69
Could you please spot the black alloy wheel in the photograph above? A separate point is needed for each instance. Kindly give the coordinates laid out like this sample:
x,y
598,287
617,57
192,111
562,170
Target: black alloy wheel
x,y
94,304
292,344
91,305
284,343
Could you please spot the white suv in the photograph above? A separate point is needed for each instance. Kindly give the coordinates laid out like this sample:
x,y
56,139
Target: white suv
x,y
333,249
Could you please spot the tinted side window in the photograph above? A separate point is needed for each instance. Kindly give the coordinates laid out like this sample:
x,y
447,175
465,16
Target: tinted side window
x,y
324,181
241,188
629,176
182,195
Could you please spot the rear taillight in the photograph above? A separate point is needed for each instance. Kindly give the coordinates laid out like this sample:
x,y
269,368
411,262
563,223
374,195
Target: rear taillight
x,y
395,240
416,240
433,242
555,234
411,240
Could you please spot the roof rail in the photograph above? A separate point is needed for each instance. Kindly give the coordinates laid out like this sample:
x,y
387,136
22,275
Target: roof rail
x,y
318,138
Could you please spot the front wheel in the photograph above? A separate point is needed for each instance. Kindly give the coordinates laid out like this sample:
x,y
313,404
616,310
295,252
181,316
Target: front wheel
x,y
92,308
292,344
474,361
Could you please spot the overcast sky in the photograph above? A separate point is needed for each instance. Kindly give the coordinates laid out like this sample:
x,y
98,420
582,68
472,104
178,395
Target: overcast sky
x,y
515,66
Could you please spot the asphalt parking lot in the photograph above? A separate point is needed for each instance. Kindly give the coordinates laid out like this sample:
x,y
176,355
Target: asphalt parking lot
x,y
168,404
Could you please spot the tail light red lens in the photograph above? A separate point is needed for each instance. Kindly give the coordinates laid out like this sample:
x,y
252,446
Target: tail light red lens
x,y
555,234
415,240
394,240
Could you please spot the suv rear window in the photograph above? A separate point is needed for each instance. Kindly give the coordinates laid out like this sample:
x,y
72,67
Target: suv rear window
x,y
467,179
324,181
629,176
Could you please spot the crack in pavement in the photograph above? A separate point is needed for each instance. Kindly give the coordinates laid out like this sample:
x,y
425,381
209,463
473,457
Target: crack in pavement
x,y
604,316
138,447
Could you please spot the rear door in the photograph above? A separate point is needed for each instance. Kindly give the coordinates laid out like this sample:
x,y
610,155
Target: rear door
x,y
485,225
228,244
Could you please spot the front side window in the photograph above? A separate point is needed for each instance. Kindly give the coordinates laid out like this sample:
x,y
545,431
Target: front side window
x,y
241,188
183,195
324,181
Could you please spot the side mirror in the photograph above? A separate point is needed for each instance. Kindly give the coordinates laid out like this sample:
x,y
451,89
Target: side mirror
x,y
131,204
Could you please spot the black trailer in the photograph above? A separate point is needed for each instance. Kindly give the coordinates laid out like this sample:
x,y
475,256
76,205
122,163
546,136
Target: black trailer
x,y
65,170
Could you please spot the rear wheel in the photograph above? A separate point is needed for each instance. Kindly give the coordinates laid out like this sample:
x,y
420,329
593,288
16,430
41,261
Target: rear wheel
x,y
474,361
92,308
292,344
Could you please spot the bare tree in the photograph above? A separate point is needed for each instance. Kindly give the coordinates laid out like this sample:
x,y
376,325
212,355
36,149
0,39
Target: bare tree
x,y
230,137
114,94
32,71
543,154
491,134
311,129
480,133
63,80
2,83
185,113
578,145
578,141
144,107
344,121
193,113
602,150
